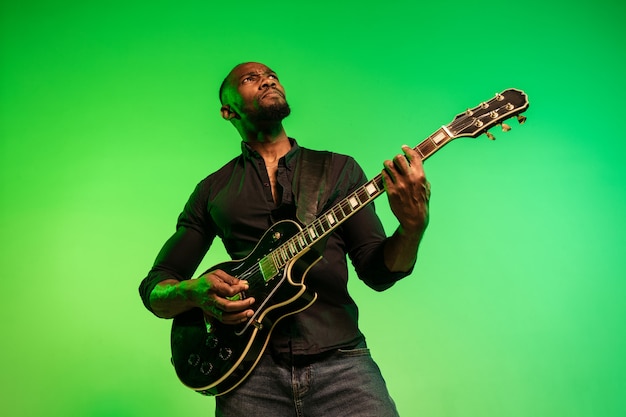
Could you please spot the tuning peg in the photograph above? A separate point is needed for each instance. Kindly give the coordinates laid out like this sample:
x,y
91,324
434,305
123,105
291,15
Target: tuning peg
x,y
505,127
490,136
521,119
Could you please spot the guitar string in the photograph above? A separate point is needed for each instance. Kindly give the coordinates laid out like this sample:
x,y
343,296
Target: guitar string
x,y
278,263
295,241
465,120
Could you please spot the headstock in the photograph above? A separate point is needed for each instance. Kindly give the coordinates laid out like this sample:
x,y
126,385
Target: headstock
x,y
480,119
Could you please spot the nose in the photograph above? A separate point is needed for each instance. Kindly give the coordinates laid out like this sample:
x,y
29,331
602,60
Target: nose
x,y
268,82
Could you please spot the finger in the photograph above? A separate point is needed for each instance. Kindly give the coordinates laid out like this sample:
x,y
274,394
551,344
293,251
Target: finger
x,y
235,306
226,284
401,163
389,172
227,305
414,157
236,318
230,312
411,154
227,278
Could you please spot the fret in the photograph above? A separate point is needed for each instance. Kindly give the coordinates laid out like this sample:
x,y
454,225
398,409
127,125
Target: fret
x,y
346,205
330,218
312,234
426,147
362,195
339,214
354,203
292,248
307,236
343,213
281,256
434,142
301,240
286,256
318,228
324,224
439,136
378,181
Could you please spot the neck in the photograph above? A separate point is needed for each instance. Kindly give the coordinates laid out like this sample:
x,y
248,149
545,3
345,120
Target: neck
x,y
271,147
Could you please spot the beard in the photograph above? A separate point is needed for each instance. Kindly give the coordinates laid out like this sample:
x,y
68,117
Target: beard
x,y
270,114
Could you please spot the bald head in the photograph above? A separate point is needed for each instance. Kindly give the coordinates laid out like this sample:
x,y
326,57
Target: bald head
x,y
231,80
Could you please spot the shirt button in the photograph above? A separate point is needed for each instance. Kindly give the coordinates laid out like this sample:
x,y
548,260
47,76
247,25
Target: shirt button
x,y
267,184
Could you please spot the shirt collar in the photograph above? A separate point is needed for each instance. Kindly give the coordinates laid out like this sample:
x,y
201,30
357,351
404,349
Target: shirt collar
x,y
290,157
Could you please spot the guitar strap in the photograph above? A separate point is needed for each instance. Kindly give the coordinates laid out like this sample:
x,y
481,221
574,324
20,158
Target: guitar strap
x,y
311,188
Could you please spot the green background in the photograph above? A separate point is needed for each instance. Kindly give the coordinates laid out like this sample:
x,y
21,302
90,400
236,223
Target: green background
x,y
109,117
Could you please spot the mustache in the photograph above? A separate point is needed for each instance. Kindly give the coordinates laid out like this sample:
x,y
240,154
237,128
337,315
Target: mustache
x,y
273,90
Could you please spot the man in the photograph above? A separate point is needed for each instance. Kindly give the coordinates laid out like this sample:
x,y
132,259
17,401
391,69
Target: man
x,y
317,362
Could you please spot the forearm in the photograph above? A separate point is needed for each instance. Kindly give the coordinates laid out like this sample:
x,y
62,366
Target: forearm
x,y
170,298
400,251
165,291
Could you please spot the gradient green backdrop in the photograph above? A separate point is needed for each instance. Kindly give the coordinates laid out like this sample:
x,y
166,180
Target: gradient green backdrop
x,y
109,117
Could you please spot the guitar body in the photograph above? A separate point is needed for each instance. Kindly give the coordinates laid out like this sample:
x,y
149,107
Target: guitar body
x,y
214,358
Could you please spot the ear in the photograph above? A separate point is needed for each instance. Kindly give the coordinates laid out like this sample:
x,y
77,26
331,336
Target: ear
x,y
228,113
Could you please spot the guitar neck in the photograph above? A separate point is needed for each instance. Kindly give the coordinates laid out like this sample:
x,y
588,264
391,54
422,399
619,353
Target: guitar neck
x,y
346,208
470,123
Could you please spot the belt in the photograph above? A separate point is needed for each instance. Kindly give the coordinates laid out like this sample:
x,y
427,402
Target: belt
x,y
289,359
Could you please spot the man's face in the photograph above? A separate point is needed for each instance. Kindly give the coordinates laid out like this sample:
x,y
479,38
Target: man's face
x,y
253,91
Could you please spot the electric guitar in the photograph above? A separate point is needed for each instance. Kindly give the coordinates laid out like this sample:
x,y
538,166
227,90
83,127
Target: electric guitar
x,y
213,358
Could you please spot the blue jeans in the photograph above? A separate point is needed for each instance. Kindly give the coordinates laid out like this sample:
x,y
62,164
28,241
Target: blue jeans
x,y
346,383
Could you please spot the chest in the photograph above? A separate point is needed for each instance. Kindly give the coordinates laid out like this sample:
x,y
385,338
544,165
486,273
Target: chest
x,y
250,201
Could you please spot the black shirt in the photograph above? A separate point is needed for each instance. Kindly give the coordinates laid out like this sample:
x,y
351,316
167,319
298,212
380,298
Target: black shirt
x,y
235,203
